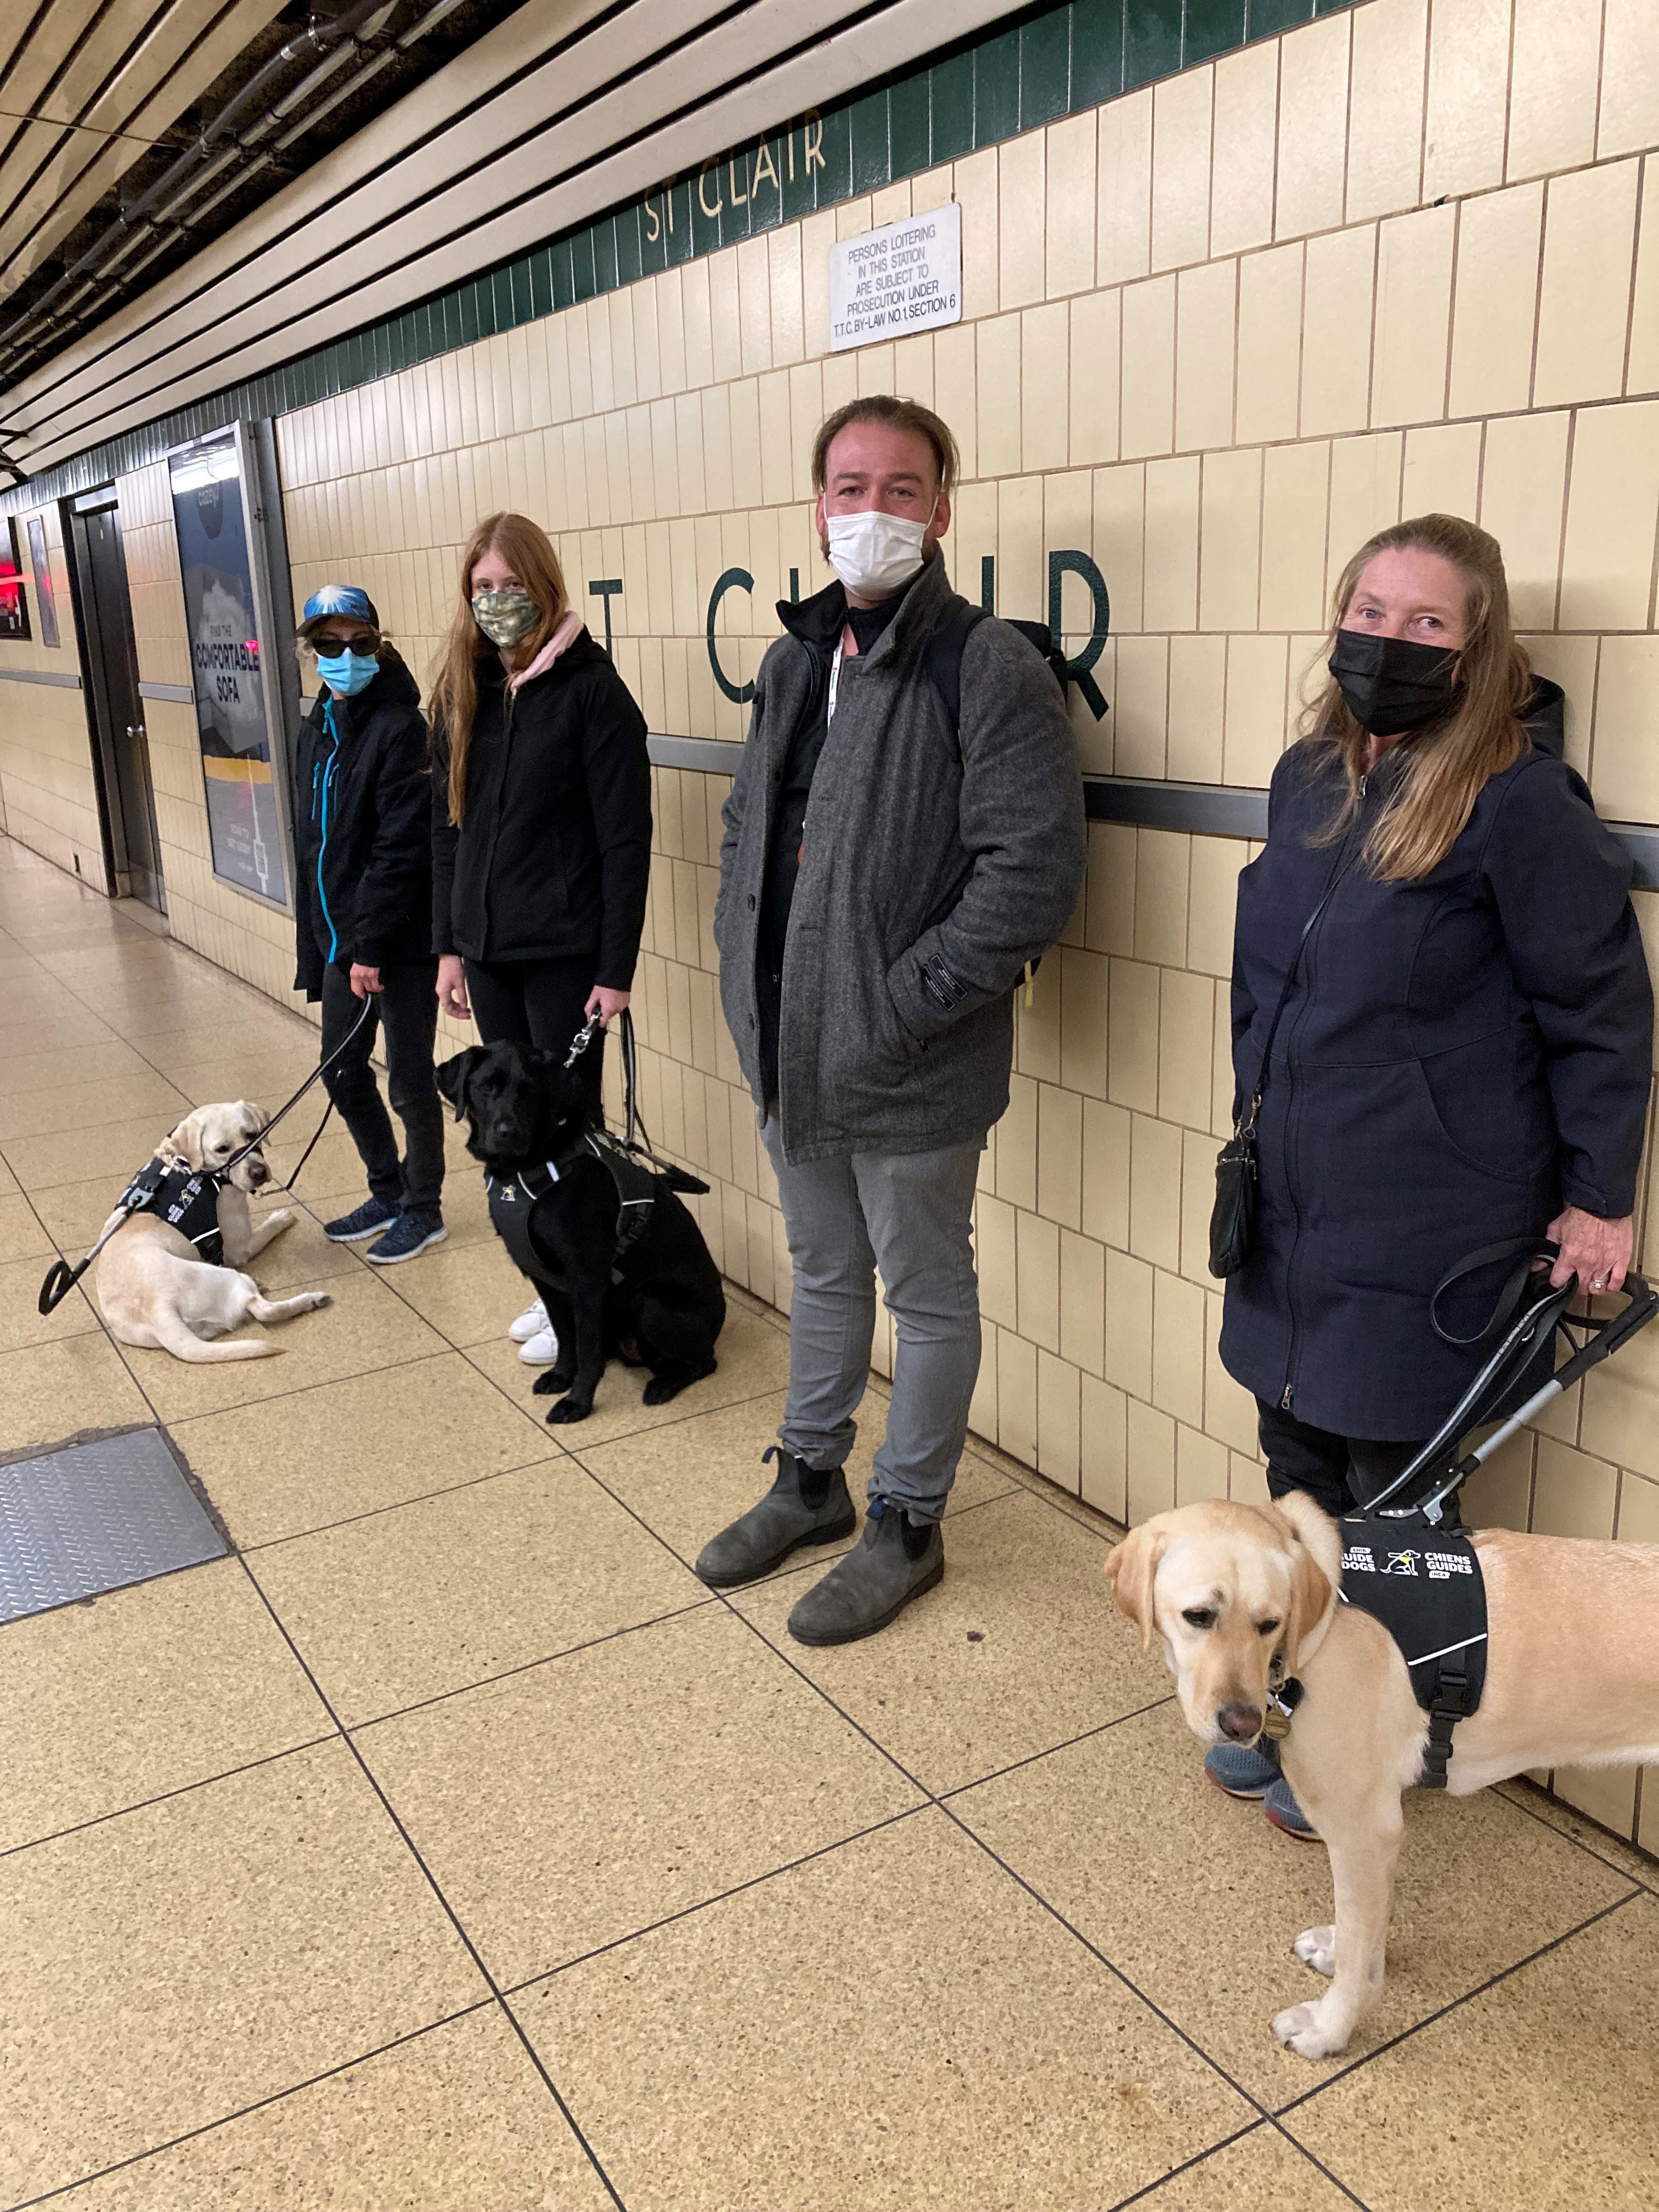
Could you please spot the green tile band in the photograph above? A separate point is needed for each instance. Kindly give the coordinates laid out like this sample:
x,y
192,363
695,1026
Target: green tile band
x,y
1054,62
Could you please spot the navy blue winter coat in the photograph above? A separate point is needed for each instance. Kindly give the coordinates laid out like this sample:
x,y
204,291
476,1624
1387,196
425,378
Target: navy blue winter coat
x,y
1457,1058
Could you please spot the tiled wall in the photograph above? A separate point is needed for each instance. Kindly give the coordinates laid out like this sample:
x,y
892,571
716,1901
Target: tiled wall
x,y
1216,331
48,798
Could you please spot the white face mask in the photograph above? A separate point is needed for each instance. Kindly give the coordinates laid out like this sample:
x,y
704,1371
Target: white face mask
x,y
875,553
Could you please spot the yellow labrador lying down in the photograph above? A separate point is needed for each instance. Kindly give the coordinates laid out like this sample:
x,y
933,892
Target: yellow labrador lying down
x,y
157,1291
1573,1680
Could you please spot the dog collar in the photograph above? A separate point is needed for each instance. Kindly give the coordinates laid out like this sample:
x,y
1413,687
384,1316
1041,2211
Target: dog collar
x,y
1285,1694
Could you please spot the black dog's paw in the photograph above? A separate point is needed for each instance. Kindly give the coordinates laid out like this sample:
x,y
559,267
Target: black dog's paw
x,y
658,1393
568,1410
552,1384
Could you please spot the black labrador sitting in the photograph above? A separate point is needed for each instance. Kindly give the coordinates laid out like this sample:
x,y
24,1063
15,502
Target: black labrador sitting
x,y
615,1256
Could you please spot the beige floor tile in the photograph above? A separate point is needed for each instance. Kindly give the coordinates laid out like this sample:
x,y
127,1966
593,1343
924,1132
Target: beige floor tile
x,y
455,2120
250,1035
267,1077
1567,1820
466,1216
74,1213
324,1455
468,1292
1016,1651
577,1803
753,1359
688,1480
365,1328
109,1152
69,1029
1261,2172
1149,1861
431,1597
8,1181
22,1236
167,1968
145,1691
894,2024
21,1321
52,1391
1537,2096
91,1105
335,1170
64,1071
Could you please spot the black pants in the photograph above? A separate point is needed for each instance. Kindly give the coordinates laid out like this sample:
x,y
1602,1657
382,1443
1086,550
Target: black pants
x,y
1339,1473
537,1002
408,1006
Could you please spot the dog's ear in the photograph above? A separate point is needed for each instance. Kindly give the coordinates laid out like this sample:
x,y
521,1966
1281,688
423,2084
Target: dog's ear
x,y
253,1118
1316,1563
1131,1569
185,1143
454,1075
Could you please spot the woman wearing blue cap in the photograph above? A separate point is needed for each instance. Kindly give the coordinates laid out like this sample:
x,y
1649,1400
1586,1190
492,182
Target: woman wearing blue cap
x,y
362,912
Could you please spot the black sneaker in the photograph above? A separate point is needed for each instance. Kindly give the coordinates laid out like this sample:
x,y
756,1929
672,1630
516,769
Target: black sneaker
x,y
409,1235
367,1219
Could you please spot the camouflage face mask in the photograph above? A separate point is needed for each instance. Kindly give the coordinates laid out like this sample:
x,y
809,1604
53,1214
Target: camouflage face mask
x,y
508,617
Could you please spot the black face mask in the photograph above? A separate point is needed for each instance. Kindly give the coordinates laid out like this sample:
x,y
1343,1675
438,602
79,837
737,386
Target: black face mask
x,y
1393,685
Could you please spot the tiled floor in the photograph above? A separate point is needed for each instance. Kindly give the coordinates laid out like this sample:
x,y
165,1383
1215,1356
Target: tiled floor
x,y
451,1846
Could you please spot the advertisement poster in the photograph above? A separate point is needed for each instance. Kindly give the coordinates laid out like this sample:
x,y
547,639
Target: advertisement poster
x,y
46,604
14,607
243,820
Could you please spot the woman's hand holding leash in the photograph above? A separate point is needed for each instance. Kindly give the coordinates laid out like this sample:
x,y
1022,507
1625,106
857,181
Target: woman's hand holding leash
x,y
364,980
1598,1252
452,988
607,1004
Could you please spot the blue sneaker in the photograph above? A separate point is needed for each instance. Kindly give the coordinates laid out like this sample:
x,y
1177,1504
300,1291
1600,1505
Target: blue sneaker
x,y
1240,1769
367,1219
409,1235
1281,1809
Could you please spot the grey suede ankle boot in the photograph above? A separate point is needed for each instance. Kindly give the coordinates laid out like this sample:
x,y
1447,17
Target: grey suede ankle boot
x,y
876,1580
802,1506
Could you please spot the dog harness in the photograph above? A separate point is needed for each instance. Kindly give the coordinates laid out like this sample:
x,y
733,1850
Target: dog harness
x,y
513,1200
186,1198
1425,1587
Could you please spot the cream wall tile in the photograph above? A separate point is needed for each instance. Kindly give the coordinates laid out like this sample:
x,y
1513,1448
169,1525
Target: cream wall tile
x,y
1442,475
817,233
1642,370
1058,1442
1185,1043
1069,240
1017,1396
1211,901
1171,580
1110,897
1036,1262
1413,316
1198,690
1269,343
1231,539
1106,1142
1612,504
1095,347
998,388
1016,1144
1201,1467
1140,706
1626,758
1364,496
1083,1021
1178,1347
975,180
1336,333
1119,540
1573,1495
1571,663
1469,71
1295,502
1044,401
1256,676
1148,372
1584,308
955,389
1059,1154
1385,122
1132,1035
1496,300
1082,1301
1205,315
1313,126
1161,861
1102,1471
1552,86
1151,1462
1021,579
1181,110
783,250
1022,225
1629,78
1123,247
1245,129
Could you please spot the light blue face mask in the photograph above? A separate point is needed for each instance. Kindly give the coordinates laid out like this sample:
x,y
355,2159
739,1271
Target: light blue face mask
x,y
349,672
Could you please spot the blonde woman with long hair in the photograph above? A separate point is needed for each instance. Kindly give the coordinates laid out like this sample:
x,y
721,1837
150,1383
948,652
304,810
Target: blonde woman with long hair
x,y
1441,1003
541,815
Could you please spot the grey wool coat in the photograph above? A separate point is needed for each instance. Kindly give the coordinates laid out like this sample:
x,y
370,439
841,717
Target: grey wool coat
x,y
953,857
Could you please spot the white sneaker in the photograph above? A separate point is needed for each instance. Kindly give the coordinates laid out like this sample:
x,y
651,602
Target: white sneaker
x,y
531,1322
541,1350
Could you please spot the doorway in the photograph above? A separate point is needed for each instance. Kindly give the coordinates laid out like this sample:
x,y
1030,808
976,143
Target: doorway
x,y
110,671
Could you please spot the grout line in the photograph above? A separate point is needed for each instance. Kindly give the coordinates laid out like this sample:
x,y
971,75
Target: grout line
x,y
163,1796
1578,1842
1070,1743
260,2105
449,1911
396,1504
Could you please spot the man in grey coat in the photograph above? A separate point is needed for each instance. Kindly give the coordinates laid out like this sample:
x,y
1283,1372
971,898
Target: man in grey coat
x,y
889,868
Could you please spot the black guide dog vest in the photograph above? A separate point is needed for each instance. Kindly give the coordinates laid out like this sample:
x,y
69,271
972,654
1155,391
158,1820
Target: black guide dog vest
x,y
1425,1587
186,1198
512,1203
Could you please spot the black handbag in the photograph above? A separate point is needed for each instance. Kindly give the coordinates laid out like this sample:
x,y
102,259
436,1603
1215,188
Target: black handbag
x,y
1232,1218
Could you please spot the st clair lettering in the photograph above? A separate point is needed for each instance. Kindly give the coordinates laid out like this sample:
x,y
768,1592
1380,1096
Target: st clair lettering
x,y
741,180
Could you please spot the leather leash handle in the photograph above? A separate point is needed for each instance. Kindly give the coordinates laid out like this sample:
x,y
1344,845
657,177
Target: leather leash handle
x,y
61,1279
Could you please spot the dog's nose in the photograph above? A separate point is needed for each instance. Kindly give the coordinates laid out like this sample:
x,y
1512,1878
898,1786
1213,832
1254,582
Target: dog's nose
x,y
1239,1721
258,1171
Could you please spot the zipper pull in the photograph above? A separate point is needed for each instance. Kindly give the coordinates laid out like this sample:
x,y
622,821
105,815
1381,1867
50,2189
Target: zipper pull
x,y
1284,1402
1365,785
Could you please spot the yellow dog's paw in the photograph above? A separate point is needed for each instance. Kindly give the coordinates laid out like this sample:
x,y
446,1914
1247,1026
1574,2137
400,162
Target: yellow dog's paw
x,y
1302,2030
1316,1948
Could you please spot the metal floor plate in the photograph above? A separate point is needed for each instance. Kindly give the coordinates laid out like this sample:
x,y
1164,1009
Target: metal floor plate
x,y
95,1517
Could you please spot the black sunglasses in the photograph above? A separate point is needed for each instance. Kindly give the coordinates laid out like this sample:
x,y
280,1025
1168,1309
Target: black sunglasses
x,y
362,647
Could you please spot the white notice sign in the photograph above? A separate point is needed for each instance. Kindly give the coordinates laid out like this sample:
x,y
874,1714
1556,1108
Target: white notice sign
x,y
891,282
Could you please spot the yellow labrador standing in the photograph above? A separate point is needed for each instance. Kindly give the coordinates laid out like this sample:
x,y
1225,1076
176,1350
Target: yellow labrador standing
x,y
157,1291
1573,1680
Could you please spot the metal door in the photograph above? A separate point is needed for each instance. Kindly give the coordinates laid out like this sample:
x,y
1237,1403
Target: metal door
x,y
111,663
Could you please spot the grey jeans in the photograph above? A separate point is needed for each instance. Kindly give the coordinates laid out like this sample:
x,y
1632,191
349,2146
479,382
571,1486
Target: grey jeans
x,y
909,1214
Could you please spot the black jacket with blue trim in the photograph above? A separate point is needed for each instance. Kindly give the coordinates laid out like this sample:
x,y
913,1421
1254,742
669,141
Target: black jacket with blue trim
x,y
362,829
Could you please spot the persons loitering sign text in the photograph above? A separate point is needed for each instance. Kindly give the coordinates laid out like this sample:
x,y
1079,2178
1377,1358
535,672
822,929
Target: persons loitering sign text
x,y
892,282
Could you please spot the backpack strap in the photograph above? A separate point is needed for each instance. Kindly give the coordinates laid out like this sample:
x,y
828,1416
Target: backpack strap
x,y
943,665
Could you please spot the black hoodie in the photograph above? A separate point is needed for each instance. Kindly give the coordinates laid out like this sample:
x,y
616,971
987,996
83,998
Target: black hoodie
x,y
362,837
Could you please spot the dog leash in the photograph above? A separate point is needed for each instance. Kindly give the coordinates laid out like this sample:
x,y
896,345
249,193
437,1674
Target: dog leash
x,y
635,1128
61,1277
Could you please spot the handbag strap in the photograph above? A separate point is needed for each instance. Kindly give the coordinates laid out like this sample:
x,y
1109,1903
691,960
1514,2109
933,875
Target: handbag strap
x,y
1526,1249
1245,1126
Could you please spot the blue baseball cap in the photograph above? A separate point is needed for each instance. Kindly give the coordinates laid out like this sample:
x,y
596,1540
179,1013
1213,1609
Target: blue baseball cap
x,y
347,599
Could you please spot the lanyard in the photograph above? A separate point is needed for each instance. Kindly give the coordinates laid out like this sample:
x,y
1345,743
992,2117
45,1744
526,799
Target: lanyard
x,y
835,683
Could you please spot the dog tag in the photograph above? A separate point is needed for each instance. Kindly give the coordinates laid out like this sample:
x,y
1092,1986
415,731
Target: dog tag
x,y
1276,1726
